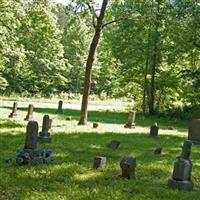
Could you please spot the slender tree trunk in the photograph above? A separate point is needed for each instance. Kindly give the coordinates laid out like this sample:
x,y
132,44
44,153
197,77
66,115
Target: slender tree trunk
x,y
154,61
145,76
89,64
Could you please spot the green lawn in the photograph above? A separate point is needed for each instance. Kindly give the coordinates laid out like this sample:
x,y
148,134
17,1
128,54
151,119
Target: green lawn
x,y
70,175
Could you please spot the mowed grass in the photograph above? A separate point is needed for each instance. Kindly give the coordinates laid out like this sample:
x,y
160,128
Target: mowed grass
x,y
70,175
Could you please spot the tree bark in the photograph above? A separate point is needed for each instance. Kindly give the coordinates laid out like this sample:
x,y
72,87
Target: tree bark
x,y
154,61
89,64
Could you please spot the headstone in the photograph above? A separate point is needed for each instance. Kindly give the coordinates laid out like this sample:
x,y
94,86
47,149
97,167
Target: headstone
x,y
158,151
95,125
44,135
194,131
14,111
181,178
29,115
131,120
154,130
99,162
50,124
30,155
128,165
31,135
60,107
114,144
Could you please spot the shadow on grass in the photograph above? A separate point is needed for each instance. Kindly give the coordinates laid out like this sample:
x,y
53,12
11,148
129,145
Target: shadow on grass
x,y
117,117
6,123
74,154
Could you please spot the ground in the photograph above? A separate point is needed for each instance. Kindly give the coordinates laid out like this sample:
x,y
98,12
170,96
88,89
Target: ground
x,y
70,175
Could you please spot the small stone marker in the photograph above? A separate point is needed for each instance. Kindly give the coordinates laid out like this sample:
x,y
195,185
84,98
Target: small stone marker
x,y
95,125
194,131
154,130
14,111
158,151
131,120
29,115
128,165
60,107
69,118
114,144
99,162
44,135
181,178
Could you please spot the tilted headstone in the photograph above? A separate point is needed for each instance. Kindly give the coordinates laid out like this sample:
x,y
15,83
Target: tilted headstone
x,y
181,178
29,115
30,155
114,144
60,107
44,135
158,151
95,125
154,130
99,162
14,111
194,131
131,120
128,165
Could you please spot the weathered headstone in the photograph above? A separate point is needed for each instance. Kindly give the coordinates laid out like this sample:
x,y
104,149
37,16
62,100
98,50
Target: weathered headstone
x,y
114,144
194,131
95,125
30,155
131,120
14,111
50,124
128,165
154,130
31,135
181,178
60,107
158,151
29,115
44,135
99,162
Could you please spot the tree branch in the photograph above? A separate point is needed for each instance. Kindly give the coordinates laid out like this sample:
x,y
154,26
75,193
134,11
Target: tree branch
x,y
113,21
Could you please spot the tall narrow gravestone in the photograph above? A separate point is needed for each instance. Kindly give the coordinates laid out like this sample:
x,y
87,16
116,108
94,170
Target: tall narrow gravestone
x,y
30,155
60,107
131,120
29,115
14,111
128,165
194,131
181,178
154,131
44,135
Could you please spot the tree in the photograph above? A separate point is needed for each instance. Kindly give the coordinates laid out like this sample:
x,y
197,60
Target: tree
x,y
41,39
89,64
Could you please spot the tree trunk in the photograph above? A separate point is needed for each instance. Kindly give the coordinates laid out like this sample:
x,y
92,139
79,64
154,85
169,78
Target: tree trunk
x,y
89,64
154,61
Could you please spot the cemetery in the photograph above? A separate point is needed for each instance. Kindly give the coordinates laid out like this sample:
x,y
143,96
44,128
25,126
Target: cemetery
x,y
105,161
99,100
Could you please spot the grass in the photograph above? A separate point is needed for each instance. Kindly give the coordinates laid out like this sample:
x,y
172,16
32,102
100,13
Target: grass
x,y
70,175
